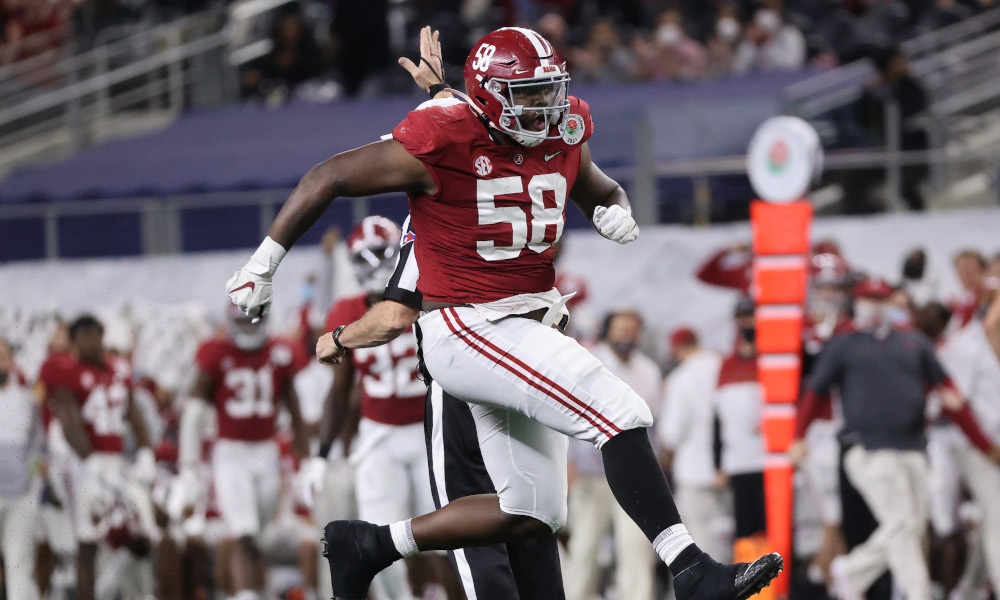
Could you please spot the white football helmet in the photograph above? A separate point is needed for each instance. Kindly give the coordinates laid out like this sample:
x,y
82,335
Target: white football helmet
x,y
374,248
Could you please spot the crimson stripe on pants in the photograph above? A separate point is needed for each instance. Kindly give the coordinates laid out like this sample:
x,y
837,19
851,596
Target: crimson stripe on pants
x,y
531,371
461,334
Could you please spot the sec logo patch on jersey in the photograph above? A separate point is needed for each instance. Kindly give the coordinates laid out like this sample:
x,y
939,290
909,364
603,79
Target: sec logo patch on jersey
x,y
573,129
483,166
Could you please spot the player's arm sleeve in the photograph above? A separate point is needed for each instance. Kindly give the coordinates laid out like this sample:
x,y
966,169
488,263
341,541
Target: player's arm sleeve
x,y
829,367
402,286
421,135
716,271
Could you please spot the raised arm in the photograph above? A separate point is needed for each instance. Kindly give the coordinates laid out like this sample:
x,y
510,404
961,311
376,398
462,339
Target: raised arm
x,y
377,168
603,201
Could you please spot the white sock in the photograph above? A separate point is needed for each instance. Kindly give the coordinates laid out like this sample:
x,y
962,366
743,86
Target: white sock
x,y
246,595
402,538
671,542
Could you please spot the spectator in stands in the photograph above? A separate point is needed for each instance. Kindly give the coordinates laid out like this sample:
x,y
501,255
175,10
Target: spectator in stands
x,y
738,402
604,57
770,43
593,505
671,54
895,83
724,40
32,27
859,26
970,268
942,14
294,59
553,28
685,431
883,376
360,41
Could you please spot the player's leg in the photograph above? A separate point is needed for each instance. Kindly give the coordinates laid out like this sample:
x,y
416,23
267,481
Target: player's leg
x,y
20,517
592,504
525,569
383,494
552,379
516,366
945,494
635,560
430,572
88,496
883,479
239,505
983,477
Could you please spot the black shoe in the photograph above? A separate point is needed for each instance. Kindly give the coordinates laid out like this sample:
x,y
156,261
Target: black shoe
x,y
706,579
356,555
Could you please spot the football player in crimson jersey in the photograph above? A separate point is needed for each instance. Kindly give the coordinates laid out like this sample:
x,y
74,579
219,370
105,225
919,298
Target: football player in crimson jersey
x,y
391,477
246,378
487,181
91,396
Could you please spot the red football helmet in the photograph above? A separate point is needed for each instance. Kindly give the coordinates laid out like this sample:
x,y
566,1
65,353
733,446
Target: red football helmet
x,y
829,269
873,288
374,245
515,78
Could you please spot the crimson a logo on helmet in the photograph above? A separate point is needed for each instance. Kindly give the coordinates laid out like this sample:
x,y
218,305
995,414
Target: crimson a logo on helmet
x,y
483,166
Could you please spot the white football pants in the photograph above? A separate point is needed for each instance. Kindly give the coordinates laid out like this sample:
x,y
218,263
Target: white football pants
x,y
527,384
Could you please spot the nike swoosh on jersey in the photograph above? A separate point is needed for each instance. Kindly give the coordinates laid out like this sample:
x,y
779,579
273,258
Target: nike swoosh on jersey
x,y
248,284
549,157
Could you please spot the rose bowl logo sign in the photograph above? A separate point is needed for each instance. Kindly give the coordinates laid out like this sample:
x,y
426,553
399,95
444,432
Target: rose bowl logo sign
x,y
784,159
777,158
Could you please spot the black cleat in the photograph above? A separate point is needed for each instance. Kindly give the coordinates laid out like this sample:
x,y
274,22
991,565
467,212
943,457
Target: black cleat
x,y
355,555
709,580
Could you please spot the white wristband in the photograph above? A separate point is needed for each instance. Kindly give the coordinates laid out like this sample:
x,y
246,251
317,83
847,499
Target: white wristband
x,y
268,256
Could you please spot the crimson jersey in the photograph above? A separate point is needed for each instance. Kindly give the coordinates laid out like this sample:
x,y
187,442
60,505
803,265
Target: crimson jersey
x,y
487,231
391,390
245,385
102,391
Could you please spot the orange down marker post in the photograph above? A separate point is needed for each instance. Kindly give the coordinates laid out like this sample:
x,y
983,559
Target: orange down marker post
x,y
781,249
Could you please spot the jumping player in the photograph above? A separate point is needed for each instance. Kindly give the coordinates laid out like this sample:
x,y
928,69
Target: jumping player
x,y
245,378
488,182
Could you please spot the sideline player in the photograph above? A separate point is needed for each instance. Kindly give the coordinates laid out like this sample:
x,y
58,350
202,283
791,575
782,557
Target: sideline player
x,y
518,147
244,378
90,394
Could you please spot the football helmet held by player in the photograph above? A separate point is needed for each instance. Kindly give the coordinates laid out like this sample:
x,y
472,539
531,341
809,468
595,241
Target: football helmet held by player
x,y
248,334
374,246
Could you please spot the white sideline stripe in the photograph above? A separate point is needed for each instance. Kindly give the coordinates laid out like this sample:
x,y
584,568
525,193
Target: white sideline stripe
x,y
437,455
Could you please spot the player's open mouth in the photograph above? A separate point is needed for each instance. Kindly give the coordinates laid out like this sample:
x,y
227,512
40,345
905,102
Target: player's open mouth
x,y
537,124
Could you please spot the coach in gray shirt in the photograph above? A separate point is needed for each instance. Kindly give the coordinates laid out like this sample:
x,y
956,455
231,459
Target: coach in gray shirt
x,y
882,376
